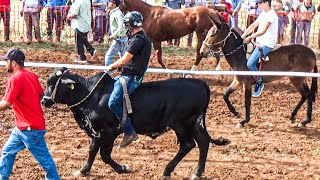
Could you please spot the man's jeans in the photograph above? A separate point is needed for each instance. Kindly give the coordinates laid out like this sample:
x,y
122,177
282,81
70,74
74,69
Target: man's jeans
x,y
303,25
254,58
5,16
54,16
81,39
100,28
32,19
34,141
117,46
293,25
116,100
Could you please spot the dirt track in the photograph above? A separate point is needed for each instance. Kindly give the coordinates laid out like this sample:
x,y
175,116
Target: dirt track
x,y
269,147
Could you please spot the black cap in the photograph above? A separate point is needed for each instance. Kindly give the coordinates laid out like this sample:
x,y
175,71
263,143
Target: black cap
x,y
14,54
117,2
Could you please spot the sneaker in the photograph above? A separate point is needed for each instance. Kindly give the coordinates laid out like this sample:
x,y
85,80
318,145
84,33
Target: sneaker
x,y
93,54
80,61
128,139
258,89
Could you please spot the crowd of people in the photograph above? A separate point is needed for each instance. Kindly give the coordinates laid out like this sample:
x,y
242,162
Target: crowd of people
x,y
297,15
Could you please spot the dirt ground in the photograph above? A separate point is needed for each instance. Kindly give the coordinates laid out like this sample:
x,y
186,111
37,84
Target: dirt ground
x,y
269,147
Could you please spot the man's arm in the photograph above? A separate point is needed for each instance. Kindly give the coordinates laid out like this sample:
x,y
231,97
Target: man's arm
x,y
4,105
125,59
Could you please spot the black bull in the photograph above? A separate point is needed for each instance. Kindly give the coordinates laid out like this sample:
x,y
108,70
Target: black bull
x,y
177,104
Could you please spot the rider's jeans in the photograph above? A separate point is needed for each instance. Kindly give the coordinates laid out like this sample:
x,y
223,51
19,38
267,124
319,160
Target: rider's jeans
x,y
117,46
116,100
254,58
34,141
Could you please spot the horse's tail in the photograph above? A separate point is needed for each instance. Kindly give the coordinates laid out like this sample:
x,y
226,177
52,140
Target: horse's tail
x,y
218,142
314,84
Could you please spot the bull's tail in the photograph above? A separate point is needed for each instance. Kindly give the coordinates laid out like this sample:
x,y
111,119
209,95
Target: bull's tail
x,y
314,85
218,142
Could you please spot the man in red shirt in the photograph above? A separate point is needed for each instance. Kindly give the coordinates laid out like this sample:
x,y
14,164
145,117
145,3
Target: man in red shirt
x,y
23,94
5,16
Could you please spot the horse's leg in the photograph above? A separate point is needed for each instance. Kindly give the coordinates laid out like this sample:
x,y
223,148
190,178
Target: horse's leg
x,y
302,87
233,86
247,101
93,150
157,46
203,143
218,67
105,153
186,144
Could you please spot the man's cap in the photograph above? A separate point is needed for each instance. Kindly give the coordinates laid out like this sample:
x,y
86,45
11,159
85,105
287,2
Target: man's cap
x,y
117,2
262,1
14,54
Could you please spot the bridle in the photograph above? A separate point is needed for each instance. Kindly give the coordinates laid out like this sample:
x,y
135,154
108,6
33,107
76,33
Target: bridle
x,y
210,46
53,95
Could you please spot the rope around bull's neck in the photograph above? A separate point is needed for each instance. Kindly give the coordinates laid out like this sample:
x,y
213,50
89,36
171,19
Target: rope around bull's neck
x,y
85,98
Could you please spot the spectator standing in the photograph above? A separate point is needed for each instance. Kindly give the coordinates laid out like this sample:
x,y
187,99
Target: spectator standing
x,y
5,16
30,124
174,4
31,13
253,11
55,15
224,8
305,14
80,17
233,17
100,20
277,6
118,32
193,3
293,20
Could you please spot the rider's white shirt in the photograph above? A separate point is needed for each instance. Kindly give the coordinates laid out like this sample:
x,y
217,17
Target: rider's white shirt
x,y
269,38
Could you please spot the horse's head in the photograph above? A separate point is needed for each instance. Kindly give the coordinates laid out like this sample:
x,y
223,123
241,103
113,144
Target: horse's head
x,y
215,39
59,85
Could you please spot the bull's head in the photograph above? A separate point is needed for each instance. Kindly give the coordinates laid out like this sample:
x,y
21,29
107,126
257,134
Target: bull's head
x,y
214,38
57,86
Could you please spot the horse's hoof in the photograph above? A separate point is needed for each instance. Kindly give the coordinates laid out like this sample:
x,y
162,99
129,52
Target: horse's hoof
x,y
166,177
239,125
292,120
128,168
194,177
301,125
78,174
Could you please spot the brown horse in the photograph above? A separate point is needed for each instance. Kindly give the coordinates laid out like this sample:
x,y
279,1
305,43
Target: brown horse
x,y
294,58
161,23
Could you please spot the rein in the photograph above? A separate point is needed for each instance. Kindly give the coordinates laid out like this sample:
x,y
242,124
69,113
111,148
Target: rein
x,y
210,46
53,95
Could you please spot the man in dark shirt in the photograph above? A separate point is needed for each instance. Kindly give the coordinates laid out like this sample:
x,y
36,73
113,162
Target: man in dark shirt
x,y
133,64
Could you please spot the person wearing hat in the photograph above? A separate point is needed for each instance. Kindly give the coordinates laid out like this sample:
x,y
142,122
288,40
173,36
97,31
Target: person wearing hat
x,y
80,17
118,32
266,39
133,64
23,93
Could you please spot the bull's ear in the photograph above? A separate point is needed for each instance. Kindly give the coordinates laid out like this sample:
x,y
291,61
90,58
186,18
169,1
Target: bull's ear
x,y
215,22
67,81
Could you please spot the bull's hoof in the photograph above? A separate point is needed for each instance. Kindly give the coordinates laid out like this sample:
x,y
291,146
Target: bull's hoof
x,y
166,177
128,168
194,177
301,125
78,174
239,125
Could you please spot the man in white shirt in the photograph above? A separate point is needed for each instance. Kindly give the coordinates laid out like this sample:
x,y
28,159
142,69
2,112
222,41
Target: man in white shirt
x,y
80,16
266,38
